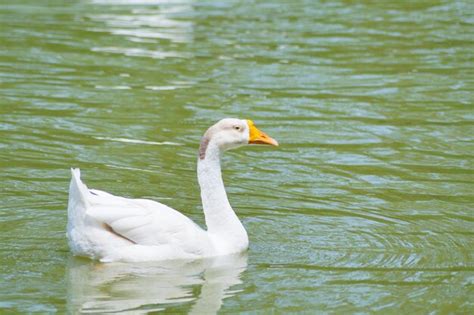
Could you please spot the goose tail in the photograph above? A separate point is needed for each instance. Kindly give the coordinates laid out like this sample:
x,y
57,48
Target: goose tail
x,y
78,203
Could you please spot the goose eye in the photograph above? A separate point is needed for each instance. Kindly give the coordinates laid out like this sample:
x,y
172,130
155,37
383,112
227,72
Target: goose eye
x,y
237,127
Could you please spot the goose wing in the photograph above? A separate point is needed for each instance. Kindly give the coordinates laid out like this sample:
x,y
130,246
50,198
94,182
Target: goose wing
x,y
145,222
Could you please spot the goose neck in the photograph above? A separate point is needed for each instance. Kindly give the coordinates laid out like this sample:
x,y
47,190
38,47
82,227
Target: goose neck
x,y
220,218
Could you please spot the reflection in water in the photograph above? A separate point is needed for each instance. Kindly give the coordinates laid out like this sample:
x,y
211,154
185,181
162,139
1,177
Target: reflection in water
x,y
145,25
141,288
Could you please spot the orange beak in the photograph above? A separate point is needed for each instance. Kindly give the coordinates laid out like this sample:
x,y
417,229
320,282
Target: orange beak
x,y
259,137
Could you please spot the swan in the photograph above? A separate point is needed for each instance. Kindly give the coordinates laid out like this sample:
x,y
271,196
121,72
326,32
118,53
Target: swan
x,y
111,228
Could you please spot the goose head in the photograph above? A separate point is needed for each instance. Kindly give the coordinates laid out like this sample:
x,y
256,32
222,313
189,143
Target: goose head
x,y
231,133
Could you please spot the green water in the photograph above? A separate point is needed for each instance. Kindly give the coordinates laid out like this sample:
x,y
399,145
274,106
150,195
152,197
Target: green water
x,y
367,205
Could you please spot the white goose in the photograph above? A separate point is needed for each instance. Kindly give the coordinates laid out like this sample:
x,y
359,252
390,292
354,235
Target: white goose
x,y
110,228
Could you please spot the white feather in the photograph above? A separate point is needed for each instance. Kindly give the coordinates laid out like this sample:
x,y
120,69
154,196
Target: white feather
x,y
111,228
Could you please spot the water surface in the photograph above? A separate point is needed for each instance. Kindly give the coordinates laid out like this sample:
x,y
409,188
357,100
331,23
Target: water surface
x,y
366,206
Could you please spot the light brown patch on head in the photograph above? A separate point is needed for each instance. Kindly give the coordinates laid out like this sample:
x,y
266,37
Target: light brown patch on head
x,y
203,146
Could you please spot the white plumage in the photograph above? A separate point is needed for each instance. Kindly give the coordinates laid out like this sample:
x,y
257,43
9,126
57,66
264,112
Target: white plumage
x,y
111,228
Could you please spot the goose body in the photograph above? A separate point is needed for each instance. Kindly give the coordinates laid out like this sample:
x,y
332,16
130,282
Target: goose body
x,y
111,228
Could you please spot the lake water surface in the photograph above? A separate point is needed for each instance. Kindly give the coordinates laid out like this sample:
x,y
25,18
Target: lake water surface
x,y
366,206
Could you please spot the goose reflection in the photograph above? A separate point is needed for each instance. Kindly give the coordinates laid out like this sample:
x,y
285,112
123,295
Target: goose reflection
x,y
141,288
